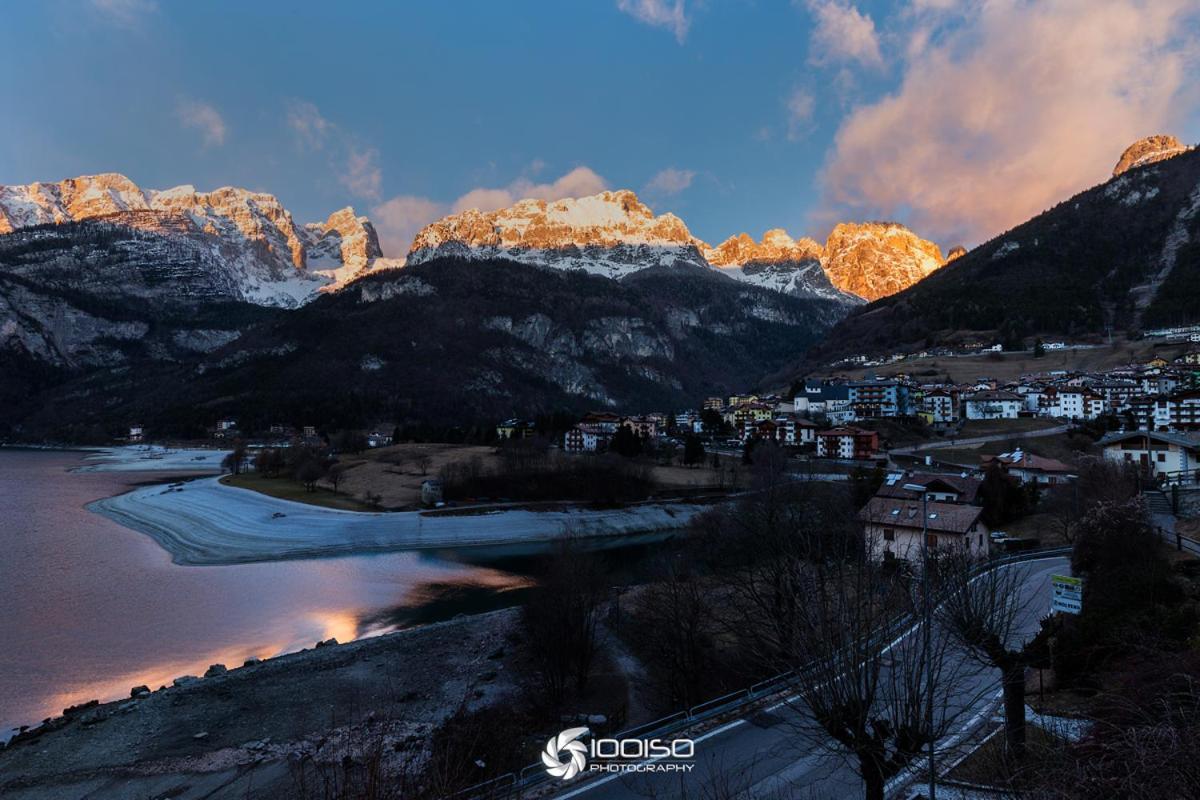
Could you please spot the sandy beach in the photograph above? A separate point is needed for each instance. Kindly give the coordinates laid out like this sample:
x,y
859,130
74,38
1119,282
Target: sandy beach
x,y
205,522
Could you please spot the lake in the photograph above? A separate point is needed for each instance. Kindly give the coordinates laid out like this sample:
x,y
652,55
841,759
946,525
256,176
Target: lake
x,y
89,609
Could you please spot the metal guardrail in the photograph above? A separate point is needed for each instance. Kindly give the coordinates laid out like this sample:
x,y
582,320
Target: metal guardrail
x,y
535,774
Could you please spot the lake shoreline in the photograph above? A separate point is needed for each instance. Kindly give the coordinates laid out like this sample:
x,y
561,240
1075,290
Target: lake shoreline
x,y
204,522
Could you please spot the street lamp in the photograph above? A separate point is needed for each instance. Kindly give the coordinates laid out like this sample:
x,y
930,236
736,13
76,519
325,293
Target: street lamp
x,y
928,609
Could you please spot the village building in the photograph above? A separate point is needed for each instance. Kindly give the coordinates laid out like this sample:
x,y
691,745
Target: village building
x,y
847,443
1164,454
893,528
993,404
1030,468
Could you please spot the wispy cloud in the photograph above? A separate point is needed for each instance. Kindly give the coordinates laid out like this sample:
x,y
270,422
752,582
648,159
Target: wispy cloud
x,y
843,34
800,107
204,118
400,218
355,163
1015,107
126,13
362,175
669,14
305,120
670,181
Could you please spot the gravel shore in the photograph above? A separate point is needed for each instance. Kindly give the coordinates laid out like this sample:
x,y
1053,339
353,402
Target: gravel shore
x,y
232,734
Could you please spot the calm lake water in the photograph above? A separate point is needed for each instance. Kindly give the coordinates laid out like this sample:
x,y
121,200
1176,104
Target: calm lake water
x,y
89,609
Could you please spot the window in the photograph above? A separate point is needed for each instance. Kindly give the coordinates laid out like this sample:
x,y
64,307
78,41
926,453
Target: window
x,y
889,535
1162,456
932,540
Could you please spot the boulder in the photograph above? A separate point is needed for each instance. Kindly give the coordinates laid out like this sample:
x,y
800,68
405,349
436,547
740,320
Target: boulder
x,y
140,691
215,669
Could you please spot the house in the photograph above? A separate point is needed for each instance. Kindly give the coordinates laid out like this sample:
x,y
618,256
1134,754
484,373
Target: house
x,y
940,488
941,405
1165,454
136,433
878,398
581,440
847,443
379,437
993,404
893,528
431,492
604,423
645,427
713,404
310,431
516,429
1190,358
1029,468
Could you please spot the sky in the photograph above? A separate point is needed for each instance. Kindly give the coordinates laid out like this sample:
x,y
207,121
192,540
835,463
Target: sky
x,y
959,118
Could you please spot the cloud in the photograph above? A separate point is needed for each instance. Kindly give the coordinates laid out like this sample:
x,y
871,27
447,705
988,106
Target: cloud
x,y
311,129
800,106
400,219
579,182
355,164
669,14
843,34
1016,108
126,13
362,175
670,181
204,118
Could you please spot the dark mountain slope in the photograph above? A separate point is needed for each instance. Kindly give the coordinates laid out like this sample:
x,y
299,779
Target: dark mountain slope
x,y
1121,255
450,342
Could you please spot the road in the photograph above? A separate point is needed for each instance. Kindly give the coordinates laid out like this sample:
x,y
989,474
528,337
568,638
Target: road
x,y
974,440
771,749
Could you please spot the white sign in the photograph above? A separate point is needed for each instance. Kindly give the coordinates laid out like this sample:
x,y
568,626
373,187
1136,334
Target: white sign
x,y
1068,594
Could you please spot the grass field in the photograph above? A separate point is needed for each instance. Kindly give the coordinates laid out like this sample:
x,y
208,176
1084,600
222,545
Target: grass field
x,y
1011,366
286,489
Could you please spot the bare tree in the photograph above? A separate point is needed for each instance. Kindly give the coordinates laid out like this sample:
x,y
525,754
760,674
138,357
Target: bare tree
x,y
236,458
985,612
423,461
560,621
334,475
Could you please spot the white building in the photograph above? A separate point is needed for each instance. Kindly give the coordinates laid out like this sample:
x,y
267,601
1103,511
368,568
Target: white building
x,y
993,404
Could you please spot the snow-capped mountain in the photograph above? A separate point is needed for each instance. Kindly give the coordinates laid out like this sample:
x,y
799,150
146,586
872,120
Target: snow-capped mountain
x,y
262,255
615,235
779,262
611,234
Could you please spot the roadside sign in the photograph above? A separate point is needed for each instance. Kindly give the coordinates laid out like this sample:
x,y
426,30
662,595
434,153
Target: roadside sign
x,y
1068,594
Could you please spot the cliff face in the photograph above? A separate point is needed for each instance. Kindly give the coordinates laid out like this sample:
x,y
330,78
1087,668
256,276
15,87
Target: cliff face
x,y
877,259
1149,151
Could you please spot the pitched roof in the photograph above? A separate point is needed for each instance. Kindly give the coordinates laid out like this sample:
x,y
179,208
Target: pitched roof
x,y
899,513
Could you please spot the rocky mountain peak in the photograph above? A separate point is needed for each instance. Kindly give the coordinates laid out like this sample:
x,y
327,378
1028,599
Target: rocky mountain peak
x,y
877,259
265,255
1147,151
776,246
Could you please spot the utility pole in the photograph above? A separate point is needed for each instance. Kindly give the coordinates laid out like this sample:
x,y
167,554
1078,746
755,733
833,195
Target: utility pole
x,y
928,614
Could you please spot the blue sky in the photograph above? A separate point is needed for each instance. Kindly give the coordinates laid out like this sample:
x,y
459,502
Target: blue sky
x,y
958,118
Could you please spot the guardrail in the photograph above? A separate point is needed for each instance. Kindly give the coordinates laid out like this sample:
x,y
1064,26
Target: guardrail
x,y
513,784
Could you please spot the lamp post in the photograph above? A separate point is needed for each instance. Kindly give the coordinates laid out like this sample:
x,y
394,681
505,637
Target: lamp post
x,y
928,614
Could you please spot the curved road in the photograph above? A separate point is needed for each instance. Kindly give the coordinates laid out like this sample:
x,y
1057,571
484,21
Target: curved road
x,y
773,749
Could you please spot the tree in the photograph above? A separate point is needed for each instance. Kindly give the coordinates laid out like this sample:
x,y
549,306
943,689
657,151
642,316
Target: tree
x,y
985,612
712,420
693,450
1039,348
423,461
1118,554
236,458
1004,499
560,621
308,472
625,442
334,474
865,483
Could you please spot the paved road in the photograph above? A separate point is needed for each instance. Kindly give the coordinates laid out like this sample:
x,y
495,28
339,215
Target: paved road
x,y
974,440
770,749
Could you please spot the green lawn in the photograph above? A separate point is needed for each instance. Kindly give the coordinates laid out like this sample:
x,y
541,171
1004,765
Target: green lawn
x,y
286,489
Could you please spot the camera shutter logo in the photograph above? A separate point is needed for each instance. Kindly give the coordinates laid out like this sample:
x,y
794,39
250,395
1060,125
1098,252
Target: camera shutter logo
x,y
567,742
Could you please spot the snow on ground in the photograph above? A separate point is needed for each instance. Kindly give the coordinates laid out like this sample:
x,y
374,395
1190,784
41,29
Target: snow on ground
x,y
152,458
206,522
